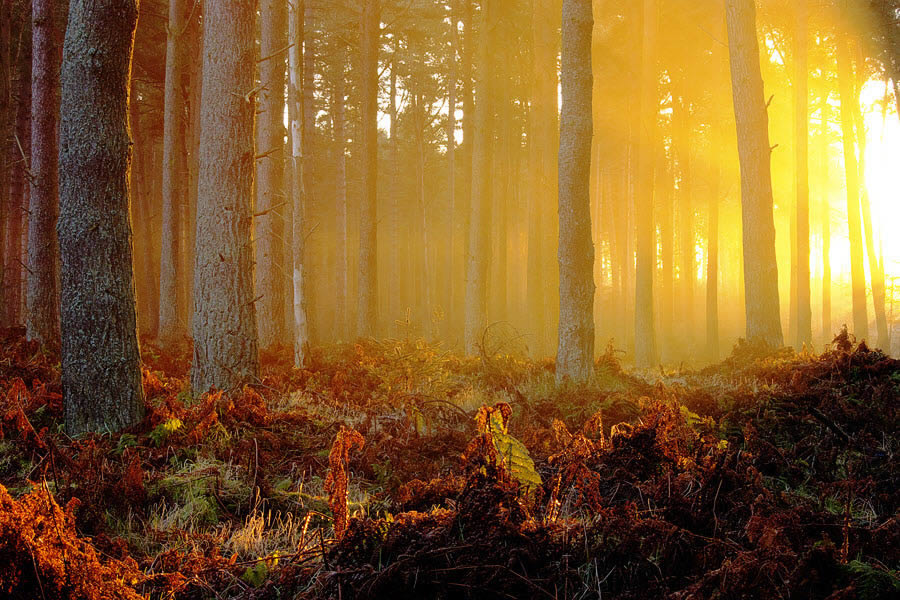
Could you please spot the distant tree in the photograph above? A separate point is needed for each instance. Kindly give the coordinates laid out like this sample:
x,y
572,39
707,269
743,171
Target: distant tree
x,y
101,365
801,174
270,194
575,354
172,326
224,325
42,290
754,151
370,41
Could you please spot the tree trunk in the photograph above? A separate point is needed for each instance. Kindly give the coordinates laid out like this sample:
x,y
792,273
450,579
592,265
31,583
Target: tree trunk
x,y
101,364
825,202
225,333
801,158
340,140
396,300
5,26
575,353
468,144
270,194
851,169
18,149
760,266
712,266
479,246
311,249
368,226
452,256
174,181
42,292
295,106
645,351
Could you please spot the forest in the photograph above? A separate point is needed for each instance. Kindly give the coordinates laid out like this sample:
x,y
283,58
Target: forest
x,y
360,299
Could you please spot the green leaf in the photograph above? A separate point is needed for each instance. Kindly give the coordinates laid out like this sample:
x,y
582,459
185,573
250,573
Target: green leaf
x,y
513,453
162,431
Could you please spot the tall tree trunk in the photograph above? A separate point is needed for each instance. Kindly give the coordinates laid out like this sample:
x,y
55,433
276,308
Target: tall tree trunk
x,y
101,364
42,292
851,169
295,110
760,266
396,299
468,145
174,181
18,149
452,255
645,351
340,139
684,149
270,194
311,249
368,227
825,202
224,325
665,184
712,266
876,269
801,185
575,354
145,290
5,27
479,247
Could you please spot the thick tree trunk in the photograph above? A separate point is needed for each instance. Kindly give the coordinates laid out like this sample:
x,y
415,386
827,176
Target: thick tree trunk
x,y
225,333
575,353
479,246
851,170
760,266
801,159
295,107
270,194
101,364
174,181
368,226
42,292
645,351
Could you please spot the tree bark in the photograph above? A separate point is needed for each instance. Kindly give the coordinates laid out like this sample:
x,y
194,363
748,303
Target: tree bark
x,y
270,169
295,106
760,266
575,353
479,245
340,140
42,291
851,170
174,181
801,185
5,27
101,365
368,227
825,201
224,325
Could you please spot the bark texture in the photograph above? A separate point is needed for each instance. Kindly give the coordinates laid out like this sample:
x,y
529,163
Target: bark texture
x,y
368,226
575,353
754,152
42,290
101,365
224,326
5,26
270,194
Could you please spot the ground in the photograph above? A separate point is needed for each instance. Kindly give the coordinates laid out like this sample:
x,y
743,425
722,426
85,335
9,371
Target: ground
x,y
395,469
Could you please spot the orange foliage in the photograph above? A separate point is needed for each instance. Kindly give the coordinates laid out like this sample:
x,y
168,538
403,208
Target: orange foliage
x,y
337,479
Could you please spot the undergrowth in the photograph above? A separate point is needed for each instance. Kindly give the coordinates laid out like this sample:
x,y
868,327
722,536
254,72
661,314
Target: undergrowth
x,y
396,469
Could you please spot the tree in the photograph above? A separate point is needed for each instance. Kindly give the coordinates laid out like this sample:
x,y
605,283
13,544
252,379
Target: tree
x,y
224,325
174,180
575,353
101,365
851,170
645,352
801,174
295,112
754,152
5,27
479,246
42,290
370,28
270,188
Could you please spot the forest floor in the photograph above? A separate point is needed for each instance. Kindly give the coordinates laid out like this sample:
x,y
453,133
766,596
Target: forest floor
x,y
396,470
